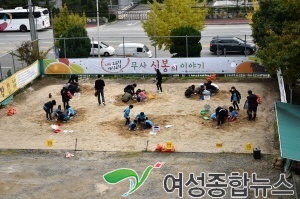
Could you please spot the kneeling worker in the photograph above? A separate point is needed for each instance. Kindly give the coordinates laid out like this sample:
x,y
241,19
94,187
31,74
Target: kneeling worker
x,y
148,124
132,125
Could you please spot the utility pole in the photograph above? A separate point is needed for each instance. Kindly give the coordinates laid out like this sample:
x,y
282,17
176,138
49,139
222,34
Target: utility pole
x,y
98,28
31,22
34,39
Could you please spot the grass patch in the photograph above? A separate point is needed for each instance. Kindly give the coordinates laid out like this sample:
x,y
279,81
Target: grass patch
x,y
254,58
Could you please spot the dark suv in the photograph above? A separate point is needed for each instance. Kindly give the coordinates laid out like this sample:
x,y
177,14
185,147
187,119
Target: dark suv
x,y
219,45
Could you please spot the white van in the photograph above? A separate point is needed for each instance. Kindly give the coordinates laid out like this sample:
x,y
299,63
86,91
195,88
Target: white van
x,y
133,50
105,50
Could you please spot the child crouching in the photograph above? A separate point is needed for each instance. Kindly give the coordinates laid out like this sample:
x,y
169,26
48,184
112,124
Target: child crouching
x,y
133,125
232,114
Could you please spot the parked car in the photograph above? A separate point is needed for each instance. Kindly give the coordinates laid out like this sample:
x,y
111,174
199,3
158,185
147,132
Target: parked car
x,y
220,44
134,50
105,50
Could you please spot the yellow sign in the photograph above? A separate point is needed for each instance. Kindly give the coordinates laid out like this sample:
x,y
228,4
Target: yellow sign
x,y
219,145
169,145
248,147
8,87
50,143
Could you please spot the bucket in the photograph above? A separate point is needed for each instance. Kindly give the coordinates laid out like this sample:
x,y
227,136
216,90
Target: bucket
x,y
256,153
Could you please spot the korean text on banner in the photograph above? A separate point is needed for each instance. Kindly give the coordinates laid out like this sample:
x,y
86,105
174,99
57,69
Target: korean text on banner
x,y
27,75
8,87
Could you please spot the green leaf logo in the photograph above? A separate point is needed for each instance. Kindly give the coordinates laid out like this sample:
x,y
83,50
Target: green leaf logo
x,y
118,175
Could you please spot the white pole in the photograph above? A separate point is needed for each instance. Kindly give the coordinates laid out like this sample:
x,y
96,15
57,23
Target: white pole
x,y
98,28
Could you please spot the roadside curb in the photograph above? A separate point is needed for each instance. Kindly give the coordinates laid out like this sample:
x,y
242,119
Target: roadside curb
x,y
226,21
207,22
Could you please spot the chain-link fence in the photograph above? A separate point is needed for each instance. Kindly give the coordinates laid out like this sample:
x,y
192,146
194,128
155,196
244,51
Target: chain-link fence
x,y
236,47
10,63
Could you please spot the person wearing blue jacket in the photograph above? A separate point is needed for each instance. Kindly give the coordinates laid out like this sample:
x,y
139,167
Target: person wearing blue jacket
x,y
148,124
232,114
127,114
141,117
132,125
62,117
70,111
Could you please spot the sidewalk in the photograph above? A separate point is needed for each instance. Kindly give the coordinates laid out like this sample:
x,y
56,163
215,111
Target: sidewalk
x,y
229,21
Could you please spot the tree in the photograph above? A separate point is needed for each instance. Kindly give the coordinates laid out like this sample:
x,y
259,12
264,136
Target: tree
x,y
65,19
103,8
9,4
181,38
255,8
172,14
276,30
74,5
270,18
27,52
75,48
49,4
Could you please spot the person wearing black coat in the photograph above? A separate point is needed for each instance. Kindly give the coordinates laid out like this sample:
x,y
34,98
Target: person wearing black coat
x,y
235,98
252,105
158,80
65,97
221,114
99,88
48,108
190,91
130,89
73,88
73,78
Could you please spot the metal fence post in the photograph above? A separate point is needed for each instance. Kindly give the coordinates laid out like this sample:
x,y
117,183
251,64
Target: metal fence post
x,y
245,44
186,42
218,45
123,46
65,48
1,71
12,56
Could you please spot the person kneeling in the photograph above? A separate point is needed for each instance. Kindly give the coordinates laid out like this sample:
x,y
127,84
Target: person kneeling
x,y
141,117
132,125
232,114
70,111
62,117
190,91
147,124
221,114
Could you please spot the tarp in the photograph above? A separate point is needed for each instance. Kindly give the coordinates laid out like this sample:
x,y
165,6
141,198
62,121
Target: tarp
x,y
288,122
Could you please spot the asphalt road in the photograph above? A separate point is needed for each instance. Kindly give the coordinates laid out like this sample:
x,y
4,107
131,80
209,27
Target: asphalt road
x,y
113,34
39,174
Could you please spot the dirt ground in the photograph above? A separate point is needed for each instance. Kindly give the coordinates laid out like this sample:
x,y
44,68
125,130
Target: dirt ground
x,y
101,128
105,144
